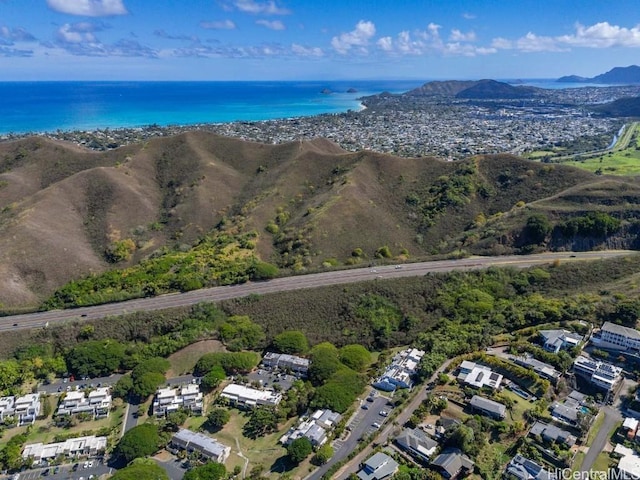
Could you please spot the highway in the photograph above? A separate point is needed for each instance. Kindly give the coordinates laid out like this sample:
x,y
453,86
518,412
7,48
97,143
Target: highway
x,y
215,294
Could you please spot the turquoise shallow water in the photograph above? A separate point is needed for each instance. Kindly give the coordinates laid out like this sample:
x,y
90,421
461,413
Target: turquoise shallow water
x,y
49,106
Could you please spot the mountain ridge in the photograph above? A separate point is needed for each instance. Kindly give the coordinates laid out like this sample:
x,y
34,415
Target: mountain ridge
x,y
617,75
311,204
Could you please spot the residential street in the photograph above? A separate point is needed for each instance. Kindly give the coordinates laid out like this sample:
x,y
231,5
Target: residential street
x,y
611,417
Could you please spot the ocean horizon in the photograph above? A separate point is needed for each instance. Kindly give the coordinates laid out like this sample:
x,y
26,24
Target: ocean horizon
x,y
50,106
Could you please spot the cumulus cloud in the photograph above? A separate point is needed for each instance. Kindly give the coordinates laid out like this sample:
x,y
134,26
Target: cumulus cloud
x,y
88,8
306,51
231,51
458,36
258,8
75,33
80,39
219,25
358,38
430,42
15,35
599,35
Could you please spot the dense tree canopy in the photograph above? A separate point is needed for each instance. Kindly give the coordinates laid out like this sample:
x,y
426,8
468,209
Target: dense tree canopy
x,y
218,418
355,357
291,341
232,362
208,471
324,362
299,449
141,441
95,358
238,332
263,420
141,471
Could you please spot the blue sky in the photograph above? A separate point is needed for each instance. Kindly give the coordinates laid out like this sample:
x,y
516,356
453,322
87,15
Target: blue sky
x,y
314,39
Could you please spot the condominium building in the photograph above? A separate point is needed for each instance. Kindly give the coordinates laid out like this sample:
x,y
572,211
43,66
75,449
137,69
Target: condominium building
x,y
207,446
97,403
314,428
284,361
250,397
27,408
73,447
401,370
618,337
170,399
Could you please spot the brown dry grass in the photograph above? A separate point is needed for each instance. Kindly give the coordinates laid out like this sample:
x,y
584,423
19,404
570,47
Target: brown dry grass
x,y
61,205
184,360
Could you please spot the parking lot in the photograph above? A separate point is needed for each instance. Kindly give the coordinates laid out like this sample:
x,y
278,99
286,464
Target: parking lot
x,y
268,378
69,471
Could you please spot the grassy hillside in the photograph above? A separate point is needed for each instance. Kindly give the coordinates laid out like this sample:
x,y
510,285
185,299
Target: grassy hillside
x,y
68,214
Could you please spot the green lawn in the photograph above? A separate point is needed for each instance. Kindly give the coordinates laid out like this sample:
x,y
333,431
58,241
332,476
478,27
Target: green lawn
x,y
625,162
595,428
602,463
262,451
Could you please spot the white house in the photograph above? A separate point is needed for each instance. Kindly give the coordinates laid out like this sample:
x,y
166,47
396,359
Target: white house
x,y
478,375
250,397
7,407
629,464
187,397
556,340
314,428
618,337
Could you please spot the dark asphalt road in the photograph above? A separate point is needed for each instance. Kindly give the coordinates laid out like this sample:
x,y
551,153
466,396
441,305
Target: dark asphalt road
x,y
43,319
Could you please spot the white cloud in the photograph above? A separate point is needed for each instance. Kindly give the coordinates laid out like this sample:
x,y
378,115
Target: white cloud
x,y
77,33
359,37
88,8
603,35
15,34
429,42
264,8
306,51
468,16
599,35
458,36
219,25
272,25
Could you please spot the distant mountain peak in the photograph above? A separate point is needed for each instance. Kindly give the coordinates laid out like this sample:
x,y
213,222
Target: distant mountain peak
x,y
617,75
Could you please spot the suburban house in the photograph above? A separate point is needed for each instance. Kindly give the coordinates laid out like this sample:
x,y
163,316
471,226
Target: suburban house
x,y
417,443
314,428
73,447
378,467
617,337
208,447
478,376
630,428
452,462
488,407
552,433
568,411
240,395
521,468
284,361
629,463
556,340
188,397
543,369
97,403
401,370
601,374
27,408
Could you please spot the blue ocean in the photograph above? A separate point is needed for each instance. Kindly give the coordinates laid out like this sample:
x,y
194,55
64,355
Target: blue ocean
x,y
50,106
35,107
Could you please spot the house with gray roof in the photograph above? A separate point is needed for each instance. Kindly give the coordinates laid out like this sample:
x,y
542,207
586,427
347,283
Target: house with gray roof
x,y
378,467
285,361
556,340
478,375
417,443
208,447
521,468
314,428
488,407
552,433
452,462
543,369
